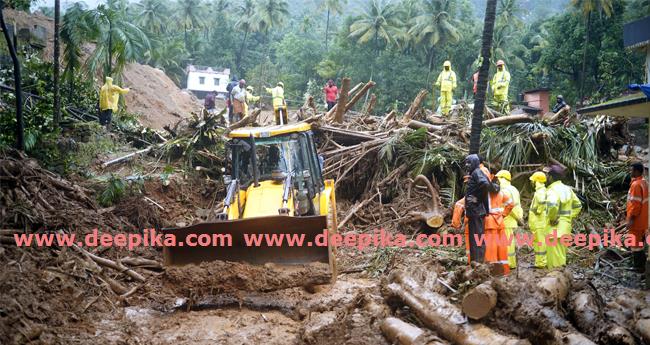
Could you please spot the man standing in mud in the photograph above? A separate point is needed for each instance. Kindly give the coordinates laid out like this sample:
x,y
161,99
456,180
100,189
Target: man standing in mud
x,y
476,199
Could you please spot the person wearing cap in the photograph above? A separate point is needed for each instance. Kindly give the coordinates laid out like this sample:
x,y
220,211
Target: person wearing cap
x,y
279,105
331,93
637,215
238,94
516,218
562,207
537,218
250,99
500,84
447,83
496,253
476,199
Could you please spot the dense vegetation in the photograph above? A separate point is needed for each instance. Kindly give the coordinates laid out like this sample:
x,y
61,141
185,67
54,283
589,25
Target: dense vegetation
x,y
399,44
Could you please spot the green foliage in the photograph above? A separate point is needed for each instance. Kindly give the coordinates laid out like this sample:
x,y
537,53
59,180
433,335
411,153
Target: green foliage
x,y
115,189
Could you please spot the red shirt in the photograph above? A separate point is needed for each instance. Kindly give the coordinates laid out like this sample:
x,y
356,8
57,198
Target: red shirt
x,y
475,79
331,92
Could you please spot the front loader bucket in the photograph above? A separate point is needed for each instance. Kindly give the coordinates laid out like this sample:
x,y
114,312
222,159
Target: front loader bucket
x,y
233,231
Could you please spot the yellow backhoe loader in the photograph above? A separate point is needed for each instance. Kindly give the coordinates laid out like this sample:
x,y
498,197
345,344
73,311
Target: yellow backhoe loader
x,y
275,186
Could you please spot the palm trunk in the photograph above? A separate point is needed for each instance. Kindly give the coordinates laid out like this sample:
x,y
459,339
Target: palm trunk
x,y
57,53
584,58
430,64
20,126
241,52
327,28
109,54
479,103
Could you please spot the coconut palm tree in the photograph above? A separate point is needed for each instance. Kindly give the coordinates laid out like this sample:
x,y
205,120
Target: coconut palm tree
x,y
118,40
479,102
588,8
20,126
152,15
434,26
188,17
56,67
333,7
379,21
74,32
271,14
248,23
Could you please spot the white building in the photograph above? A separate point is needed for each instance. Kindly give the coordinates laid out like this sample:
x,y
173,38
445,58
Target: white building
x,y
201,80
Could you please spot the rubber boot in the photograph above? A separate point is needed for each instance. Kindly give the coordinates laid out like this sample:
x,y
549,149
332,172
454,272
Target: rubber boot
x,y
639,260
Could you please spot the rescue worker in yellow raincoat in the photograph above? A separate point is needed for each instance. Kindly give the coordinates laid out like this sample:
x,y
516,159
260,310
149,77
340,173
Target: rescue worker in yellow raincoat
x,y
447,83
537,218
500,84
515,219
250,99
109,96
562,207
279,105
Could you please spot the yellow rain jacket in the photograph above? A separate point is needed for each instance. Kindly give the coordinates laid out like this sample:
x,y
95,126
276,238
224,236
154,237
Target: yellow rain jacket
x,y
109,95
446,80
500,82
278,96
562,206
537,224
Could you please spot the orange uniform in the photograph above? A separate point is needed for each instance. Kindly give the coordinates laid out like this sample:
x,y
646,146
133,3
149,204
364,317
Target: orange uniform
x,y
457,215
637,210
495,228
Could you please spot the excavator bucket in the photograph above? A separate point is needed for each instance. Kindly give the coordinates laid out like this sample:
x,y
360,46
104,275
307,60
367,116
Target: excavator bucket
x,y
228,241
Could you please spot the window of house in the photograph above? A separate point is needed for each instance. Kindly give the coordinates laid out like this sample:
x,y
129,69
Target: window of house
x,y
201,80
216,81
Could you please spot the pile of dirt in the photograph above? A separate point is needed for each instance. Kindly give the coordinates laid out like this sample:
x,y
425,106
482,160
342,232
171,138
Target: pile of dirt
x,y
155,96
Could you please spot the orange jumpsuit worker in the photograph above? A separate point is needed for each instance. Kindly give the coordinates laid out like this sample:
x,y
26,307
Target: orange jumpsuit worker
x,y
637,215
495,228
459,212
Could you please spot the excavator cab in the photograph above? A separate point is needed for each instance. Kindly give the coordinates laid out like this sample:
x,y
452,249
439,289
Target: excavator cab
x,y
275,191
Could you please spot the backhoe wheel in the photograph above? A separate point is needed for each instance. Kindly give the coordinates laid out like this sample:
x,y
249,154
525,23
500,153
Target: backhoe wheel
x,y
332,229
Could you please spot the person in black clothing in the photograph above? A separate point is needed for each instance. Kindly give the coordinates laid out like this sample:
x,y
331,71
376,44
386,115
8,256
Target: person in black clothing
x,y
233,82
476,199
560,104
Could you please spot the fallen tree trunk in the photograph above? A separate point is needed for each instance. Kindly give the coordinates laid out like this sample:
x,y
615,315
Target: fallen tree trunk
x,y
432,216
554,287
430,128
129,156
437,313
343,100
403,333
508,120
415,106
371,105
248,120
479,301
586,311
358,95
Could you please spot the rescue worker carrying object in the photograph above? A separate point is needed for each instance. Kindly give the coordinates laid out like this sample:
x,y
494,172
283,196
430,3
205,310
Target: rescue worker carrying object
x,y
447,83
562,207
109,96
250,99
515,219
537,218
279,105
637,215
238,94
500,84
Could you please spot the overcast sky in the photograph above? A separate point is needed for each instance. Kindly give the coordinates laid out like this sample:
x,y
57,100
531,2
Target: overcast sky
x,y
65,3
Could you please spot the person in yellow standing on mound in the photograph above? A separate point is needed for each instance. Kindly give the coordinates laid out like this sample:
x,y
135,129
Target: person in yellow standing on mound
x,y
447,83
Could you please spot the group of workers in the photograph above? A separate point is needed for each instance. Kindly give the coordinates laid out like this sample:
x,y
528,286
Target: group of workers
x,y
240,96
491,209
499,86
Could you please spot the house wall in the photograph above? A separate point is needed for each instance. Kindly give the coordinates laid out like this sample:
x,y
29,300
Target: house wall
x,y
205,81
538,99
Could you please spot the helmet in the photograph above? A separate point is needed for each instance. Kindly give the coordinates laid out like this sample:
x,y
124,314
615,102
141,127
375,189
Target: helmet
x,y
447,64
280,84
500,63
538,177
504,174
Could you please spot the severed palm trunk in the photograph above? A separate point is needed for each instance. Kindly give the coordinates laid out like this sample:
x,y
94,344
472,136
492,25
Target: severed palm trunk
x,y
20,127
57,52
479,103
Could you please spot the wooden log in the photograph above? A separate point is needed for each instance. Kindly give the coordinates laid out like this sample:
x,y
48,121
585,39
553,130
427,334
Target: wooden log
x,y
403,333
508,120
433,217
358,95
643,328
343,100
479,301
440,315
554,287
129,156
247,120
415,106
430,128
371,105
561,114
